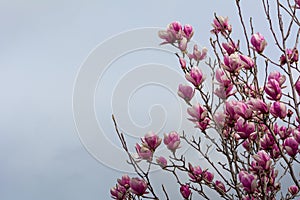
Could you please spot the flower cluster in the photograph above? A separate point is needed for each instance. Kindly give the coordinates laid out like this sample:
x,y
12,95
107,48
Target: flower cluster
x,y
127,187
176,34
251,118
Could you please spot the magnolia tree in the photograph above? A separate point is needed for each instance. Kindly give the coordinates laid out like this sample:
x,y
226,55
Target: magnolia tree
x,y
250,118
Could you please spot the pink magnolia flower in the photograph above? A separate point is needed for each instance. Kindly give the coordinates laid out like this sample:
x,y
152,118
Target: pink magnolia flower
x,y
272,178
183,44
258,105
195,76
248,180
182,63
275,152
188,31
185,191
297,86
223,92
161,161
195,173
258,41
247,145
251,90
220,119
273,90
138,186
172,140
176,26
244,128
297,3
278,109
296,134
243,110
199,116
291,146
246,62
262,161
186,92
222,78
281,131
278,77
124,181
197,54
208,176
202,124
232,63
267,141
230,110
292,55
118,192
220,187
151,140
197,112
230,47
168,36
221,24
171,34
144,152
294,189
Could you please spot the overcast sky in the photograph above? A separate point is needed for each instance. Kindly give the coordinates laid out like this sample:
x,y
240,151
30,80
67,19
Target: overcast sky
x,y
43,46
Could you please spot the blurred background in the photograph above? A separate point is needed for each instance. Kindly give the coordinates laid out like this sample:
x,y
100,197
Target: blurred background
x,y
43,45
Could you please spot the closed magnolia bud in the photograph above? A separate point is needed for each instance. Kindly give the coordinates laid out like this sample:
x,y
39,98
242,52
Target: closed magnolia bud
x,y
278,109
172,141
249,181
273,90
185,191
124,181
186,92
176,26
138,186
246,62
188,31
220,187
161,161
182,63
244,128
293,190
151,140
195,173
195,76
230,47
208,176
291,146
258,41
118,192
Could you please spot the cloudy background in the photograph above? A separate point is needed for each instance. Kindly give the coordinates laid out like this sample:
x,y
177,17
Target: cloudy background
x,y
43,44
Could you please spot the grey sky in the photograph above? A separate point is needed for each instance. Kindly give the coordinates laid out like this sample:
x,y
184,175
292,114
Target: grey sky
x,y
43,44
